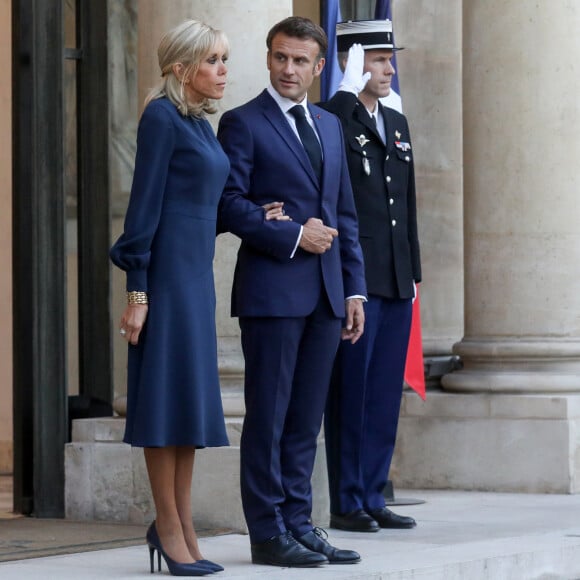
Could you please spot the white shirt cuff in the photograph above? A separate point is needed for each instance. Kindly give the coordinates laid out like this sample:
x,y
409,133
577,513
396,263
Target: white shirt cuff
x,y
297,242
363,298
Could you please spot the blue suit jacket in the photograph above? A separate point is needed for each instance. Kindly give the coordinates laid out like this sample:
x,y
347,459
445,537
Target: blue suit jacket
x,y
269,163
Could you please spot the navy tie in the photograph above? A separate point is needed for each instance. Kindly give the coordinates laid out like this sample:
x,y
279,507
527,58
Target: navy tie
x,y
308,138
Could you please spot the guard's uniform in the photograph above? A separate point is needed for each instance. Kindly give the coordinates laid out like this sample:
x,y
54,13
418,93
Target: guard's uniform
x,y
364,401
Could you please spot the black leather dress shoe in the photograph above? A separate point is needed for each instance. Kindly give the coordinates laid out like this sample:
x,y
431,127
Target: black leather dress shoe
x,y
285,550
357,521
315,540
387,519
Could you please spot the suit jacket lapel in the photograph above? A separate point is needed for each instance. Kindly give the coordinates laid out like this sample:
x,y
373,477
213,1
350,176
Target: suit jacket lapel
x,y
279,122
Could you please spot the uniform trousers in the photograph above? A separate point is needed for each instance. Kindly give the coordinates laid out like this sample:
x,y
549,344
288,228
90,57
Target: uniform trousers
x,y
363,407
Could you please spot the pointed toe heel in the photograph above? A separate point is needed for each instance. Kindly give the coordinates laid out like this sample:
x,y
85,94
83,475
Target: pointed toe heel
x,y
175,568
211,565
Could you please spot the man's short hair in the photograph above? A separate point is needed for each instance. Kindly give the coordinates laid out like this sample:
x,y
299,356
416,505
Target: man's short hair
x,y
299,27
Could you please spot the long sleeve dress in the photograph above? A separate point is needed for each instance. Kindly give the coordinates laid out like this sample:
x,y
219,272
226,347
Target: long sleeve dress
x,y
167,250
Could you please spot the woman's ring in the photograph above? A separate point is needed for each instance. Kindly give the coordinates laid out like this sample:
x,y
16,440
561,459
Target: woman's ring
x,y
122,332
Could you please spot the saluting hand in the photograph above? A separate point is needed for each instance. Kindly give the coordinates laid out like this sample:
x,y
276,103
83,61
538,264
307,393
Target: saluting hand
x,y
354,79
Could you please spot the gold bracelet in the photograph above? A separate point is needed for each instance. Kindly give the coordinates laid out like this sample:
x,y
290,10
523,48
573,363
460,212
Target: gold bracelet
x,y
135,297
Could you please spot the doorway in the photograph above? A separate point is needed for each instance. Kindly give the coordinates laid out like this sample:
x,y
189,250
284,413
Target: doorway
x,y
60,234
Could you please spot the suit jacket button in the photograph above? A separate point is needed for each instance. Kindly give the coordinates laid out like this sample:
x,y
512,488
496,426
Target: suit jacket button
x,y
394,223
391,201
388,179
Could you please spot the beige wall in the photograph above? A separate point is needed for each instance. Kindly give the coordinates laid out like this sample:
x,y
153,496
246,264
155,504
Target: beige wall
x,y
5,242
429,71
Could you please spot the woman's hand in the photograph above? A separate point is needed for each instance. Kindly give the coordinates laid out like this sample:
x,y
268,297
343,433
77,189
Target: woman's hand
x,y
275,211
132,322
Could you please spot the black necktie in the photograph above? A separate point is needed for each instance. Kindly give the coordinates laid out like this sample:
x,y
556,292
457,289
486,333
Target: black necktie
x,y
308,138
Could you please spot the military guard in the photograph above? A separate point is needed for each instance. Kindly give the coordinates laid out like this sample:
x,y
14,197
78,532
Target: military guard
x,y
365,395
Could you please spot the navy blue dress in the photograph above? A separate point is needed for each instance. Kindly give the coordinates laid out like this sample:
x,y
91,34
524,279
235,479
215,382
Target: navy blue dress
x,y
167,250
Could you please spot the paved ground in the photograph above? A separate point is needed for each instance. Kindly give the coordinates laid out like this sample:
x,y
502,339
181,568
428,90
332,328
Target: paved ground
x,y
22,538
461,536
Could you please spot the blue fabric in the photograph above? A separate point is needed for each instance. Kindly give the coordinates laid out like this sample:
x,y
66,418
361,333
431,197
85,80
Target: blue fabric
x,y
167,249
288,363
331,73
272,165
363,407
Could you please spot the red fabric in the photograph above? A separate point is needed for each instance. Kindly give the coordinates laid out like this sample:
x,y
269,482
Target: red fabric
x,y
414,368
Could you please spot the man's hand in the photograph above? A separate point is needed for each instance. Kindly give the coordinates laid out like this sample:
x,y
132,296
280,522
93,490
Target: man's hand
x,y
355,320
316,237
354,80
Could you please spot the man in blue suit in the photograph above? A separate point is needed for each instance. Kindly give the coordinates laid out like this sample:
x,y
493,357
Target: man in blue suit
x,y
295,281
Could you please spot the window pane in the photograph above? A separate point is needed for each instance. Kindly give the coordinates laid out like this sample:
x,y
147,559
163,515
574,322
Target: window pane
x,y
357,9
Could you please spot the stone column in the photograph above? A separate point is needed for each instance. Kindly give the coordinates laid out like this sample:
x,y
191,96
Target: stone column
x,y
521,83
429,71
522,145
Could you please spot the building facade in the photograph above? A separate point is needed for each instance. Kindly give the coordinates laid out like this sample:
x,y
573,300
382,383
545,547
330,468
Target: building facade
x,y
495,136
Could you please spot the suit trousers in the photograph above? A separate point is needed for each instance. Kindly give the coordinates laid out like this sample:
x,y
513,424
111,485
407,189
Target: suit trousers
x,y
288,363
363,407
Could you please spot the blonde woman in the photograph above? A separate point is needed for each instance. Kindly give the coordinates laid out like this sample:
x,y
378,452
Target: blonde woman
x,y
167,248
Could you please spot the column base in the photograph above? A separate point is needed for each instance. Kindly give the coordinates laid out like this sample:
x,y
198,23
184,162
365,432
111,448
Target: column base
x,y
503,366
510,443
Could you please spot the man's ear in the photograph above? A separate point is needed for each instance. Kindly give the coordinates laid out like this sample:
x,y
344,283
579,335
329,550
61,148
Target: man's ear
x,y
319,66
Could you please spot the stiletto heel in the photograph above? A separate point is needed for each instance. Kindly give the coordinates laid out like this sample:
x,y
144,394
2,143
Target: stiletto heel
x,y
151,554
175,568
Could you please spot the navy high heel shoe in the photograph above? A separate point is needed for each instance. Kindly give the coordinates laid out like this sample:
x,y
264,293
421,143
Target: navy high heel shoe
x,y
211,565
175,568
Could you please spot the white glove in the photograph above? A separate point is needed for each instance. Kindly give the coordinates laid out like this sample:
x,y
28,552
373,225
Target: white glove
x,y
414,293
354,81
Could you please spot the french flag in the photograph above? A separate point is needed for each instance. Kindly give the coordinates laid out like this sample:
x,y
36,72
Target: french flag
x,y
331,73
